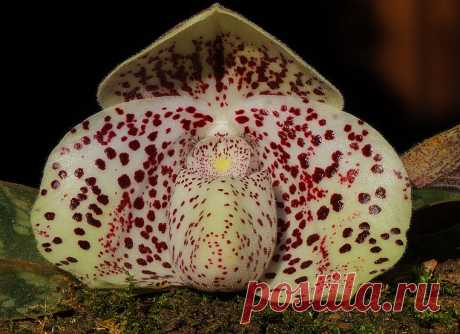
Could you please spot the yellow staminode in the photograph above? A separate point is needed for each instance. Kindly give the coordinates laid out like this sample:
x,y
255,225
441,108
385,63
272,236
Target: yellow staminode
x,y
222,164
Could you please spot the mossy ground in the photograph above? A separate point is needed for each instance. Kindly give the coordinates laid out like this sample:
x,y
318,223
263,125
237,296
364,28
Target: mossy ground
x,y
182,310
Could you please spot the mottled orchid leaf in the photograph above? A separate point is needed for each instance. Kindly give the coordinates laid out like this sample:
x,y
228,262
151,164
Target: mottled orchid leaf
x,y
432,196
435,160
217,54
29,285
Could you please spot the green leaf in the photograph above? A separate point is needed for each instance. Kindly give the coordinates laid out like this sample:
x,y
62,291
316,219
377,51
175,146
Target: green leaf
x,y
29,285
432,196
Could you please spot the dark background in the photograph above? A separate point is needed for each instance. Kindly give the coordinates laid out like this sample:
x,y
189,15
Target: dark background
x,y
396,63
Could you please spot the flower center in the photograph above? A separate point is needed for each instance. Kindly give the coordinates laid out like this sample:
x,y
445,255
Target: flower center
x,y
220,156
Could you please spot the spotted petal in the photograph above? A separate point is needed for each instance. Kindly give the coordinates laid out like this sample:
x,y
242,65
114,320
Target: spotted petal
x,y
343,195
223,230
102,211
220,57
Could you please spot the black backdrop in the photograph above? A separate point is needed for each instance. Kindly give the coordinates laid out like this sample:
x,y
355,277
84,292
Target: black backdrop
x,y
56,56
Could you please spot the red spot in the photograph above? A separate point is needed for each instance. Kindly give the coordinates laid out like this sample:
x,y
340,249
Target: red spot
x,y
134,145
322,212
84,244
128,243
312,239
345,248
49,215
139,175
162,227
100,164
124,181
138,203
381,192
363,198
303,159
318,175
139,222
306,264
242,119
367,150
336,202
329,135
151,216
124,158
79,231
347,232
374,209
377,169
336,156
103,199
289,270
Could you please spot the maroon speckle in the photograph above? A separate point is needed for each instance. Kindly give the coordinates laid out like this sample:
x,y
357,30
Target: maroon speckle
x,y
128,243
57,240
374,209
84,244
322,212
318,175
395,230
79,231
303,160
312,238
134,145
364,198
301,279
242,119
124,181
347,232
362,236
377,169
289,270
110,152
381,260
138,203
124,158
380,192
49,215
364,226
376,249
367,150
139,175
316,140
100,164
345,248
336,202
103,199
329,135
306,264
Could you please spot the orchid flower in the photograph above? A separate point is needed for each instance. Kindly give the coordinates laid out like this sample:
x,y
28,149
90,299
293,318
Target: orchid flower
x,y
220,157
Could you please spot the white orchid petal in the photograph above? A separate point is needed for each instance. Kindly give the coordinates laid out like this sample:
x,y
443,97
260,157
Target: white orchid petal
x,y
220,57
343,195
